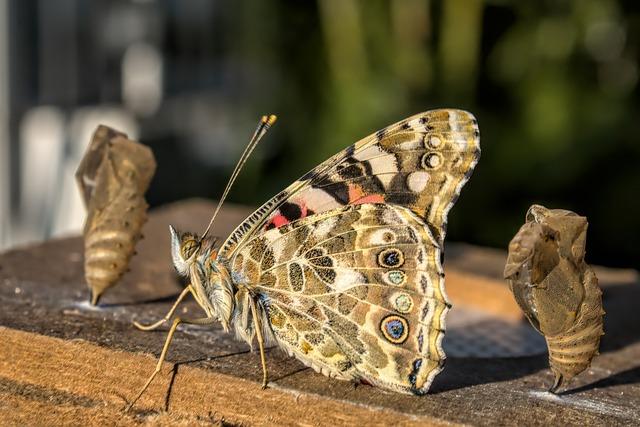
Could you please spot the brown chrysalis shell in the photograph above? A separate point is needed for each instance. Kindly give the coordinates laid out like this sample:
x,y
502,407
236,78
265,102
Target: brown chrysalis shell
x,y
113,176
557,290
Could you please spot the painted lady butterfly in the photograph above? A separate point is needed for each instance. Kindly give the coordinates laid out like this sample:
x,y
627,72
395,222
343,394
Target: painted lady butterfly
x,y
343,268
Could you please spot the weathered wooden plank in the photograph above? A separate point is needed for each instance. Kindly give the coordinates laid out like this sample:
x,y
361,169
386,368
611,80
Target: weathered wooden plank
x,y
42,371
62,359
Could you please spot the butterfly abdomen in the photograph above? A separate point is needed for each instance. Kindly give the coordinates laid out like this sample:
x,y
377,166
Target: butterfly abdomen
x,y
111,239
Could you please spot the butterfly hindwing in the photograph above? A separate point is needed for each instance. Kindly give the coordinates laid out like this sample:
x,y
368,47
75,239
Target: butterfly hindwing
x,y
355,292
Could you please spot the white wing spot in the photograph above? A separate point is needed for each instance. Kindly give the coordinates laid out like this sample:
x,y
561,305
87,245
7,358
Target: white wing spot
x,y
382,237
318,200
346,278
417,181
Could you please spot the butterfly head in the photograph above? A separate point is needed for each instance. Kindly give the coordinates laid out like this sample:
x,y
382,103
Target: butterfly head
x,y
187,248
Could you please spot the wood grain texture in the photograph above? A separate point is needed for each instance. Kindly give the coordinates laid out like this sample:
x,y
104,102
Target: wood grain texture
x,y
89,377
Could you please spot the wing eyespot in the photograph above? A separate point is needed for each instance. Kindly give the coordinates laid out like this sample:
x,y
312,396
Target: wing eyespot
x,y
433,141
391,258
396,277
395,329
431,161
402,302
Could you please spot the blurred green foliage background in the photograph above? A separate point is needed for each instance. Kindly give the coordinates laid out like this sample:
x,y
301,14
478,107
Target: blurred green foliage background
x,y
553,84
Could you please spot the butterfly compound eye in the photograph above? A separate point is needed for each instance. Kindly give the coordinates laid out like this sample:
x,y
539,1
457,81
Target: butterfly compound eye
x,y
189,247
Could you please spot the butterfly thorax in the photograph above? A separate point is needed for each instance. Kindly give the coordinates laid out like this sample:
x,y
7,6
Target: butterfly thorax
x,y
214,289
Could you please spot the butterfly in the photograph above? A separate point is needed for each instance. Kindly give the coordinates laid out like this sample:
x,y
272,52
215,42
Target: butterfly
x,y
343,268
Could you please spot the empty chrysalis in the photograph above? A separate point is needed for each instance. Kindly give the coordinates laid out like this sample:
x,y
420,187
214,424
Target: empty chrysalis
x,y
113,176
557,290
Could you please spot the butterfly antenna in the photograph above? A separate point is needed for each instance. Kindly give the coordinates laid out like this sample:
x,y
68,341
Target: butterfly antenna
x,y
263,126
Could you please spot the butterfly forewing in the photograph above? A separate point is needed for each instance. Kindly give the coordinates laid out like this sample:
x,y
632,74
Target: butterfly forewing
x,y
421,162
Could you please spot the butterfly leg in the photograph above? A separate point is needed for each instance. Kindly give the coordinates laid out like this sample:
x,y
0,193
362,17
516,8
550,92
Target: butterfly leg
x,y
258,328
183,294
177,321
